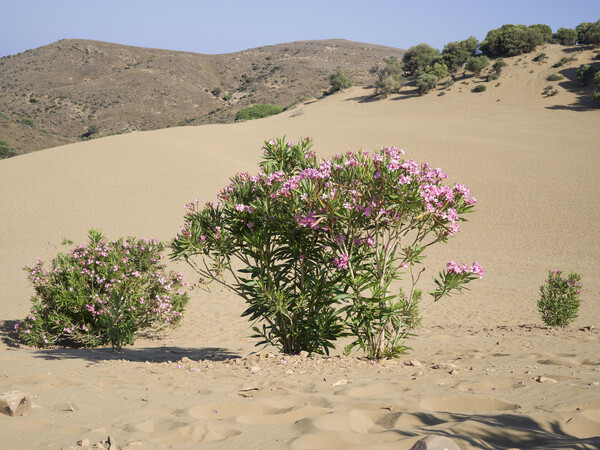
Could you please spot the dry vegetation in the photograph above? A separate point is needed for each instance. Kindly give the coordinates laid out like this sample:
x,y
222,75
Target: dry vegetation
x,y
51,95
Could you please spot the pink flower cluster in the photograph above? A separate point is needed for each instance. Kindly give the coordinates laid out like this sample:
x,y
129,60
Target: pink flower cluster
x,y
475,268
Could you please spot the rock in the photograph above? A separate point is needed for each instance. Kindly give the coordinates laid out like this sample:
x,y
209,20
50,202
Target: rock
x,y
594,383
303,354
435,443
542,379
83,442
185,360
15,403
255,369
415,363
418,373
453,371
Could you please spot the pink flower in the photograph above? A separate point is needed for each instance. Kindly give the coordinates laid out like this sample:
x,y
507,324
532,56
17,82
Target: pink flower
x,y
341,262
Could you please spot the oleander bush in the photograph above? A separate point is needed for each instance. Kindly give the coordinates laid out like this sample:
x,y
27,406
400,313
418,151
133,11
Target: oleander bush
x,y
316,248
559,298
101,293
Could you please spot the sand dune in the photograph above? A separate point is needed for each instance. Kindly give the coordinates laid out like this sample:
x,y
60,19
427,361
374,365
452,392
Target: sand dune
x,y
530,160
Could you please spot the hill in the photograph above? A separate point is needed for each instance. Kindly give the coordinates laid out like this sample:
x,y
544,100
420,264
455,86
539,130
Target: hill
x,y
52,94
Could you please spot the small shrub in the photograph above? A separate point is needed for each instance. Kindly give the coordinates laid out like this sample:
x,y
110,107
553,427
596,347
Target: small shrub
x,y
542,57
492,76
5,150
479,88
564,60
338,81
426,82
555,77
102,293
257,112
585,74
559,298
216,91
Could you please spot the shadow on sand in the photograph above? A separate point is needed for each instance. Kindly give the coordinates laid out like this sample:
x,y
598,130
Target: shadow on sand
x,y
506,431
134,354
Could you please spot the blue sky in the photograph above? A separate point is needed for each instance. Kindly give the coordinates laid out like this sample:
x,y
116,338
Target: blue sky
x,y
228,26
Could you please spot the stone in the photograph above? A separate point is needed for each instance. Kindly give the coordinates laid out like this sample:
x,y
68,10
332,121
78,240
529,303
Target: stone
x,y
84,442
303,354
415,363
435,443
15,403
255,369
542,379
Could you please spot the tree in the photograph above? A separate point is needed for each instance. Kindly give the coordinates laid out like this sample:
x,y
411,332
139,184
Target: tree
x,y
511,40
455,54
338,81
566,36
426,82
476,64
391,84
588,33
439,69
544,29
418,57
389,77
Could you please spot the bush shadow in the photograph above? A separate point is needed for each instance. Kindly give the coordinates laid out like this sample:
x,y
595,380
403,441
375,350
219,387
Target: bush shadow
x,y
138,354
583,101
507,431
7,334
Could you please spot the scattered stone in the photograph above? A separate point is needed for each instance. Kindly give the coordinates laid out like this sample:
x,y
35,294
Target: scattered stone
x,y
454,371
84,442
542,379
415,363
185,359
594,383
289,372
303,354
15,403
435,443
419,373
254,369
340,382
587,328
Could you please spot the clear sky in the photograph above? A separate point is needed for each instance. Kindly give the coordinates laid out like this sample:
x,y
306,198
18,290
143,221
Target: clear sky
x,y
223,26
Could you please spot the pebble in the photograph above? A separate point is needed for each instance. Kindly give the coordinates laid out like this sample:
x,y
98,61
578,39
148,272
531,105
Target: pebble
x,y
542,379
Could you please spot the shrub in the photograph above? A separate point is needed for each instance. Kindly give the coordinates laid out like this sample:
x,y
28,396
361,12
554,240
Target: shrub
x,y
5,150
476,64
418,57
585,74
438,69
257,111
389,85
566,36
499,65
511,40
564,60
101,293
492,76
319,244
426,82
389,77
559,298
216,91
555,77
542,57
338,81
92,129
479,88
456,54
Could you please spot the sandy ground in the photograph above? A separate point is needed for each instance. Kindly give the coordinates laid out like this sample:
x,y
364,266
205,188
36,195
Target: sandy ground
x,y
531,161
